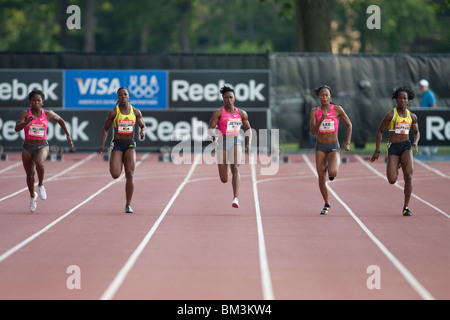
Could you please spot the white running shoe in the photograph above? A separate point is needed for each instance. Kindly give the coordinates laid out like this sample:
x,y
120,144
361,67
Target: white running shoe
x,y
42,192
33,203
235,203
128,209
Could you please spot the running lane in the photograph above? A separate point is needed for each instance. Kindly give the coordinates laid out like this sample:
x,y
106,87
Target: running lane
x,y
203,248
318,257
96,237
418,242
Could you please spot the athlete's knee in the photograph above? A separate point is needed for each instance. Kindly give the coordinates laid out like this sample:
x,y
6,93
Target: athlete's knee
x,y
234,169
408,178
224,179
40,165
129,174
332,174
392,180
114,174
322,180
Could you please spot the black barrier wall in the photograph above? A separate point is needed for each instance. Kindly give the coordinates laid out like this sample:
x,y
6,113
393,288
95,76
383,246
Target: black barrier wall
x,y
117,61
164,128
362,85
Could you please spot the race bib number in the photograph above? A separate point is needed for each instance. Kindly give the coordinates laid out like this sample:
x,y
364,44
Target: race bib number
x,y
233,126
37,130
327,126
402,127
126,126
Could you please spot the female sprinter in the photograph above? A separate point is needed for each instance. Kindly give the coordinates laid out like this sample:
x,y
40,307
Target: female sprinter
x,y
400,121
324,121
35,149
123,147
229,120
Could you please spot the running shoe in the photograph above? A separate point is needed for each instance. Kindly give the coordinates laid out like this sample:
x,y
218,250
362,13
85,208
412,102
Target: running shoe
x,y
406,212
33,203
235,203
325,209
128,209
42,192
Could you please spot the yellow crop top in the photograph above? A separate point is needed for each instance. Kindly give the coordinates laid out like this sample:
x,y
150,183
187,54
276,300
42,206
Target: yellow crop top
x,y
124,122
400,125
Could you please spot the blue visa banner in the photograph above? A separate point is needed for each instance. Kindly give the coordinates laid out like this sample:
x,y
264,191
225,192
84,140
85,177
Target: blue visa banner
x,y
97,89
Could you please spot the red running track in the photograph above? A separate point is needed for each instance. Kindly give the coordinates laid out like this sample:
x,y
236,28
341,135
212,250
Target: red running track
x,y
185,241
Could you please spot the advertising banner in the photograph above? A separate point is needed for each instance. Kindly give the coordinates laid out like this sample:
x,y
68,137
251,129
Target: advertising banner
x,y
163,128
434,126
201,88
97,89
15,85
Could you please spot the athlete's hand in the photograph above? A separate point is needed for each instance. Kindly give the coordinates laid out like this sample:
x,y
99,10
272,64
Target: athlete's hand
x,y
347,147
215,140
375,156
70,141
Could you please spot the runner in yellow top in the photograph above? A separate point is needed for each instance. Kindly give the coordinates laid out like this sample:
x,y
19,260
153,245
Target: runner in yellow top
x,y
123,147
400,122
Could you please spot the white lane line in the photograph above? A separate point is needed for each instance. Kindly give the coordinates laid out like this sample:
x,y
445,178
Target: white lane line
x,y
263,262
10,167
17,247
400,187
432,169
53,177
120,277
409,277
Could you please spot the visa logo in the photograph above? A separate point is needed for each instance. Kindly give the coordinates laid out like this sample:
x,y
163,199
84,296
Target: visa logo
x,y
95,86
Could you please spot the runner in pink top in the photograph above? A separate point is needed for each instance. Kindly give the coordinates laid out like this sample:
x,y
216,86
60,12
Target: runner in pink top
x,y
230,124
229,121
325,123
37,128
34,122
330,122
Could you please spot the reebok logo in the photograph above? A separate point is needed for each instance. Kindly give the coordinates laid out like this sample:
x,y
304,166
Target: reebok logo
x,y
19,91
185,91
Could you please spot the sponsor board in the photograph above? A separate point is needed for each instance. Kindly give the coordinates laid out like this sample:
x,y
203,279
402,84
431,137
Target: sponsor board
x,y
201,88
97,89
434,126
15,85
164,128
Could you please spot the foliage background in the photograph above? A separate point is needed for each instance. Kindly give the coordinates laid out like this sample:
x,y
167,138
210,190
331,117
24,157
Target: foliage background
x,y
219,26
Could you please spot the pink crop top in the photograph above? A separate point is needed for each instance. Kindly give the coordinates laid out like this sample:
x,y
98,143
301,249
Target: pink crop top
x,y
330,123
37,128
230,123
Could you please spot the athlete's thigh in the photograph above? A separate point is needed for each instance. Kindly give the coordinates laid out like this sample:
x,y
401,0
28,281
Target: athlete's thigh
x,y
27,161
41,154
235,155
334,161
407,162
223,171
115,162
129,159
321,162
221,156
392,167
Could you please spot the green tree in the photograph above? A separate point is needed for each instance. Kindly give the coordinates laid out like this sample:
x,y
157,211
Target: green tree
x,y
225,26
28,25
